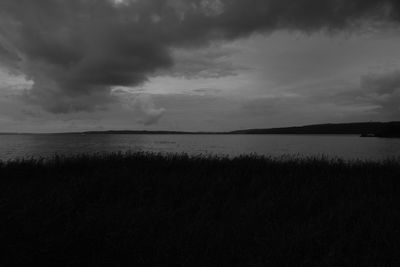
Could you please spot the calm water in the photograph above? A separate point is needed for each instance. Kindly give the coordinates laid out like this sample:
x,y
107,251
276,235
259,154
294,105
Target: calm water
x,y
343,146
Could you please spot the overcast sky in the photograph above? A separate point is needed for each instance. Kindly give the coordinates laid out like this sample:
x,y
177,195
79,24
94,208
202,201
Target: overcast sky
x,y
196,65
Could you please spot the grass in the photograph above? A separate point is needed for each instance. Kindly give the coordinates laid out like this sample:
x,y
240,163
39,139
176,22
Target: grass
x,y
145,209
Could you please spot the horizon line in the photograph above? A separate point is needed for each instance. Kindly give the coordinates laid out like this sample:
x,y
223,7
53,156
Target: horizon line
x,y
189,132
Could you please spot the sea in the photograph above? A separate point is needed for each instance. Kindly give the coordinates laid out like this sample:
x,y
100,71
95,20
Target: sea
x,y
347,147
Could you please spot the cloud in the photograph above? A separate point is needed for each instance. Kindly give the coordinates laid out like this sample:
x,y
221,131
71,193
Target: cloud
x,y
76,51
144,107
382,84
212,62
383,90
207,91
140,105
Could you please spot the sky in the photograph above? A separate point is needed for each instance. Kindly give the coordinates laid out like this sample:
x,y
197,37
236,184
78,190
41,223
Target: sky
x,y
196,65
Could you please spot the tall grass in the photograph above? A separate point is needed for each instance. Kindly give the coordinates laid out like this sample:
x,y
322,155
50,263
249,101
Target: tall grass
x,y
144,209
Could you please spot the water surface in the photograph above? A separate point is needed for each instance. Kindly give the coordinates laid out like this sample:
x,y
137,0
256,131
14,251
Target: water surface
x,y
343,146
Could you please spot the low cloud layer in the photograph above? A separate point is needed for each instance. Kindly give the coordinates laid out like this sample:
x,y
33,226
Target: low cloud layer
x,y
76,51
383,90
145,110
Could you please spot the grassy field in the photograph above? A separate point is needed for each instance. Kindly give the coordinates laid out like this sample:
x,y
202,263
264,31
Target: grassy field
x,y
175,210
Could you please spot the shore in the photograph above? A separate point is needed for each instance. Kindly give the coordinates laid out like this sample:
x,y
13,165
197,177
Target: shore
x,y
176,210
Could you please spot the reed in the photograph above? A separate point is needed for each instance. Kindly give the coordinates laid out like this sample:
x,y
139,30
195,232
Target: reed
x,y
147,209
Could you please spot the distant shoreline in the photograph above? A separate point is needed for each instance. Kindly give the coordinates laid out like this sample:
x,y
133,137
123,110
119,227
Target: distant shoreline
x,y
364,129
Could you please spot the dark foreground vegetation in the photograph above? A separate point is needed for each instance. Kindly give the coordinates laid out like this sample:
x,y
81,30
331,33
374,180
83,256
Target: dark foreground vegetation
x,y
175,210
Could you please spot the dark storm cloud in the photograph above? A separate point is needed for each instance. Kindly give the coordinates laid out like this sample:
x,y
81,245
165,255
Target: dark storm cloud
x,y
76,50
